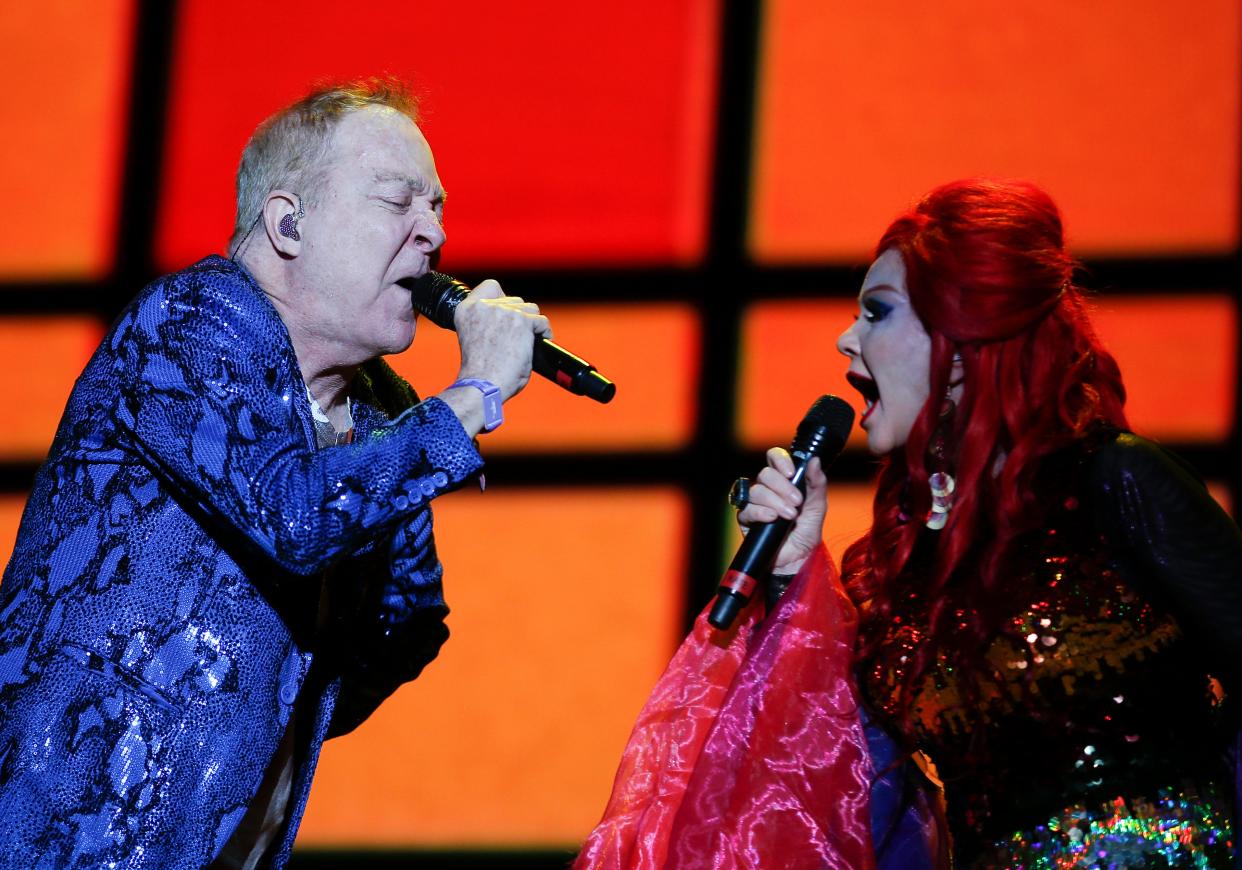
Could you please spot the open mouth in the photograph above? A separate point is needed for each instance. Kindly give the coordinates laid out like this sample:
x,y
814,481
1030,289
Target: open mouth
x,y
867,388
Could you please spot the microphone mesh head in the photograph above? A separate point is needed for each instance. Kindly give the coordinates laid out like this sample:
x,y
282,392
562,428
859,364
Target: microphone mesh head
x,y
833,413
826,427
436,295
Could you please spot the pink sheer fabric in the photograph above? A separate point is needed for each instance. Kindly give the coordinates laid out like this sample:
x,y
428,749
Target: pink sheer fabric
x,y
750,752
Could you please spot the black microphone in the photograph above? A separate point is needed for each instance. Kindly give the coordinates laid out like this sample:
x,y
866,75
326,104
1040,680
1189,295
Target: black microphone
x,y
821,433
436,297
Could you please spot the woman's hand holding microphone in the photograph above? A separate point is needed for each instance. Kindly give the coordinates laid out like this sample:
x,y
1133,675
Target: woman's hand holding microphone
x,y
772,496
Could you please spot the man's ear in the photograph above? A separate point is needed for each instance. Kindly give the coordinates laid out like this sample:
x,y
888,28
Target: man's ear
x,y
282,211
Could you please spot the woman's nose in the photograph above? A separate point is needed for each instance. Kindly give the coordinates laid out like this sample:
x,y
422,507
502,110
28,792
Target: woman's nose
x,y
847,341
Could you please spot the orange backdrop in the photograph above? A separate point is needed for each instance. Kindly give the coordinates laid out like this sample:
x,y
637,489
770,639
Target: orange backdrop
x,y
1127,112
566,608
1178,357
653,410
574,135
66,66
41,356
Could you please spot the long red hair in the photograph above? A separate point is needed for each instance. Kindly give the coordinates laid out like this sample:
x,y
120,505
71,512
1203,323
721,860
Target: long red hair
x,y
990,278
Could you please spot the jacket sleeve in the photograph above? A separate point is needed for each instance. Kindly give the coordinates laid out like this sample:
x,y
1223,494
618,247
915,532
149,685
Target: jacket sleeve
x,y
208,398
1174,542
398,628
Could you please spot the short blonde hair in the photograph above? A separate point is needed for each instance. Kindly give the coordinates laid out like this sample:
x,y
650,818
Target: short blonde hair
x,y
287,151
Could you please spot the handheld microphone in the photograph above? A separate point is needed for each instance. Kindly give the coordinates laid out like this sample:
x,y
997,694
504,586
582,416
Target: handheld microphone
x,y
436,297
821,433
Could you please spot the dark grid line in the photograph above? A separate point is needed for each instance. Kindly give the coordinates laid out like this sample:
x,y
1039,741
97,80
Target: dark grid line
x,y
723,279
719,289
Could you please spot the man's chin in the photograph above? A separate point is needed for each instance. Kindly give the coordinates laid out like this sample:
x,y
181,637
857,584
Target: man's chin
x,y
400,342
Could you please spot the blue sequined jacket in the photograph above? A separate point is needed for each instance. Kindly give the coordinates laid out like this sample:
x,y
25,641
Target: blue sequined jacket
x,y
161,614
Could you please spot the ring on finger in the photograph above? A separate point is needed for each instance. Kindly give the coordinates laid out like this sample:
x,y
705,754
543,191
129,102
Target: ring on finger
x,y
739,493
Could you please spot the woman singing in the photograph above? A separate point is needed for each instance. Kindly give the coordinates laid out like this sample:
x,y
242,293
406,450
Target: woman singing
x,y
1048,608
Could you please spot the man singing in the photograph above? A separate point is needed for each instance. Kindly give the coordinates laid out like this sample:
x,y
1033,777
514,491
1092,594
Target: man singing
x,y
227,556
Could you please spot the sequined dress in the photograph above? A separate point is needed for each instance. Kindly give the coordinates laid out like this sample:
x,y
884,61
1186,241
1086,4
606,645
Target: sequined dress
x,y
1101,741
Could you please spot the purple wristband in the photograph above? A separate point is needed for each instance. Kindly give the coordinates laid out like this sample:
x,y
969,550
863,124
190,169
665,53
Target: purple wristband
x,y
493,415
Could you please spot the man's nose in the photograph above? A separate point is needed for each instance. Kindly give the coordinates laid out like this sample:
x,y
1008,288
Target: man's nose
x,y
428,232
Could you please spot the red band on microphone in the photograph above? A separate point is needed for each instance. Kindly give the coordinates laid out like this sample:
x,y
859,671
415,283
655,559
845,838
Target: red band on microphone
x,y
738,583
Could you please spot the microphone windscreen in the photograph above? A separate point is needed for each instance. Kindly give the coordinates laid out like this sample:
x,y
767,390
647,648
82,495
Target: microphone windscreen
x,y
826,427
436,295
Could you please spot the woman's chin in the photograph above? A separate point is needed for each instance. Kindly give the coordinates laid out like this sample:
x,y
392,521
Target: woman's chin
x,y
879,444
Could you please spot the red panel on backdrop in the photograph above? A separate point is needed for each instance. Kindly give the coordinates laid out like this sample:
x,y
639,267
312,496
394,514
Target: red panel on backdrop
x,y
566,132
1127,112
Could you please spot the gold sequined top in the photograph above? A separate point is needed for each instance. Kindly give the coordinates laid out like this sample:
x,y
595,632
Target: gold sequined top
x,y
1124,604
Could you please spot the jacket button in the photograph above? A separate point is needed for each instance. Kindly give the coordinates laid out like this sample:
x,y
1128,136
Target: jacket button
x,y
289,693
401,502
440,479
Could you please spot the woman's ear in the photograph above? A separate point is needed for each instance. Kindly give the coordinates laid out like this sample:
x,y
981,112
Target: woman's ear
x,y
957,373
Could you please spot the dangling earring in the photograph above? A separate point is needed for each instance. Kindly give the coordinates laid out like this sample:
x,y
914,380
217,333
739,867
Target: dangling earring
x,y
942,485
940,481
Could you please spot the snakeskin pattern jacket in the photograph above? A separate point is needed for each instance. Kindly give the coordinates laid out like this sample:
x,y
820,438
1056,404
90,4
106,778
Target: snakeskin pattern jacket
x,y
190,569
